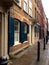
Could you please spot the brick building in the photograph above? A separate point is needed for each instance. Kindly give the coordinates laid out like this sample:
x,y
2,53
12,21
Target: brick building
x,y
4,7
22,16
21,21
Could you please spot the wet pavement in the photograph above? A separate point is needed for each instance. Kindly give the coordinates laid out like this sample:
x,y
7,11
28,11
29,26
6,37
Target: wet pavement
x,y
29,56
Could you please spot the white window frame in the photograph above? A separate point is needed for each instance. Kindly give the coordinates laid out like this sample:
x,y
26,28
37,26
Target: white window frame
x,y
26,6
17,42
30,8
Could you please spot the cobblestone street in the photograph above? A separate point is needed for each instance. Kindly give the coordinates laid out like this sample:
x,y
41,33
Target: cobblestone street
x,y
29,56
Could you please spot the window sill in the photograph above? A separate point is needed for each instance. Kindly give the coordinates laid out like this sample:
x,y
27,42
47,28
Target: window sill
x,y
30,16
17,5
25,12
16,43
25,41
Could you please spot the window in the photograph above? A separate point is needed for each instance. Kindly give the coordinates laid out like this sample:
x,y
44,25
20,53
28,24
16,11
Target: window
x,y
16,32
30,7
36,30
25,28
26,5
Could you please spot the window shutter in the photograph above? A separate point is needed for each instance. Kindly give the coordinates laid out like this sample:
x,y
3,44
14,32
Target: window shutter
x,y
23,35
11,31
21,32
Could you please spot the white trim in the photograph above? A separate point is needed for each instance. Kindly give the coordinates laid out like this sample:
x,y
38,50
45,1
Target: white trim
x,y
17,42
6,33
25,41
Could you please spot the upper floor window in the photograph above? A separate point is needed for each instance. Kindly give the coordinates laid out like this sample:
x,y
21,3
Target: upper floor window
x,y
30,7
18,2
26,5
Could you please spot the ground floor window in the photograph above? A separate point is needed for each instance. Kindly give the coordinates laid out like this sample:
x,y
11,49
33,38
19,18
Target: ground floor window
x,y
25,28
36,31
16,32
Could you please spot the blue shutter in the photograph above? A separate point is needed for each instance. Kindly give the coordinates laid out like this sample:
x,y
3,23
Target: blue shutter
x,y
11,31
22,32
23,35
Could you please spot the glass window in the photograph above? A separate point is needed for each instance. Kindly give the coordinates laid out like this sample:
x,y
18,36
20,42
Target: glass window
x,y
26,1
36,30
16,31
26,5
30,4
30,7
30,11
25,28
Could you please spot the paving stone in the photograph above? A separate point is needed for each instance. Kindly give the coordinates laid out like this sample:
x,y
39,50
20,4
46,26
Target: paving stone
x,y
29,57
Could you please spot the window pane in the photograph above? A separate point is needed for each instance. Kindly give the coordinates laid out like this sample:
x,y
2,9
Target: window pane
x,y
25,28
25,6
16,31
16,26
16,36
30,4
26,1
30,7
30,11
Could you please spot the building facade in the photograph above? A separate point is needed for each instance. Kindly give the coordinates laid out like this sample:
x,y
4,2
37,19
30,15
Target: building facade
x,y
21,25
22,16
4,7
20,13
